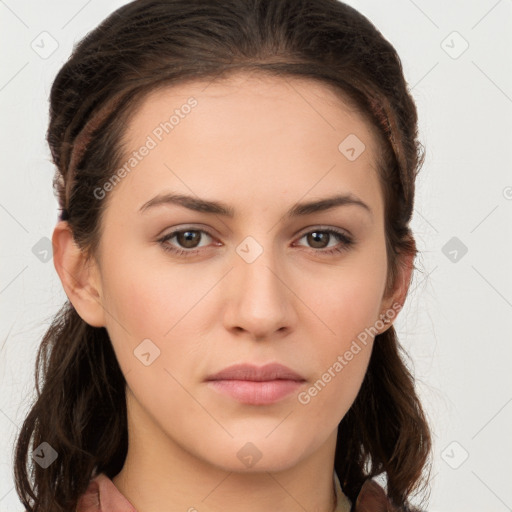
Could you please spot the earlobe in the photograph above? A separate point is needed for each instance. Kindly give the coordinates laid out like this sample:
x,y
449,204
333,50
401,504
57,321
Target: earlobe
x,y
79,276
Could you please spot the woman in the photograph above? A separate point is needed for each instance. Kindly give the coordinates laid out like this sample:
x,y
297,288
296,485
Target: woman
x,y
257,366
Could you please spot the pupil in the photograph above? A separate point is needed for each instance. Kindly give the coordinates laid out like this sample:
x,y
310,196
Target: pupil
x,y
188,237
317,236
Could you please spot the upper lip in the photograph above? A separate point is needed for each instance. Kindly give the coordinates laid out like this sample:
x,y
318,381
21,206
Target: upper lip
x,y
271,371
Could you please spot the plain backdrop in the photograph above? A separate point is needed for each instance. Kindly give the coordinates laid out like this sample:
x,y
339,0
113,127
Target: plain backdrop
x,y
456,324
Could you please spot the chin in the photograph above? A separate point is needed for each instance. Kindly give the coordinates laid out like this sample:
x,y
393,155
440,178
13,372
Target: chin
x,y
256,454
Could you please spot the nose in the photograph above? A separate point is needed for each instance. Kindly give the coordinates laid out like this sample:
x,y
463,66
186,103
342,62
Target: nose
x,y
259,303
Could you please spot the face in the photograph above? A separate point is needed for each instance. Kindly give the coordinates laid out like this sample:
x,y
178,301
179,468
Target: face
x,y
188,292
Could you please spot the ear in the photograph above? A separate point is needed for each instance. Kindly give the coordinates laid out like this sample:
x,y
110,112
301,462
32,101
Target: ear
x,y
79,276
394,298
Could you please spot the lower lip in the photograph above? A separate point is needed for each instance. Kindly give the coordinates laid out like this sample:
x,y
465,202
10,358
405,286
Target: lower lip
x,y
256,393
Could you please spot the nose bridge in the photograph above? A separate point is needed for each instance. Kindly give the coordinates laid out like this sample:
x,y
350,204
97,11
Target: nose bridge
x,y
260,298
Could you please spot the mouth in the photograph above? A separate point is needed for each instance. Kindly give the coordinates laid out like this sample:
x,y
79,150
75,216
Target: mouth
x,y
254,385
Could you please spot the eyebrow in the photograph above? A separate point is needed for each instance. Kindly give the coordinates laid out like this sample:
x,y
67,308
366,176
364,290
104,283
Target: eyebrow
x,y
218,208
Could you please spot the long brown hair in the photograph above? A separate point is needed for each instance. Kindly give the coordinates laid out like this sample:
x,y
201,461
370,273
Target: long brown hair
x,y
80,408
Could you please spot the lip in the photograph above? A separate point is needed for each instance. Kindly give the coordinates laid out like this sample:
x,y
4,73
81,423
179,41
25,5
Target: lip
x,y
255,385
267,372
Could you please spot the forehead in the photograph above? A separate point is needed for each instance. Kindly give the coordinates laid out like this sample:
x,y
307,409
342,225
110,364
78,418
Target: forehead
x,y
281,98
250,130
255,83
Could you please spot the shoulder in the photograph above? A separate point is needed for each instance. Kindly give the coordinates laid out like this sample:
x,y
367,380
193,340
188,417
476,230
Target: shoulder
x,y
103,496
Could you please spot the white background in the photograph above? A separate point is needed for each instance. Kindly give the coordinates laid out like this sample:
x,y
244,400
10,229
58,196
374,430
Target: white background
x,y
457,321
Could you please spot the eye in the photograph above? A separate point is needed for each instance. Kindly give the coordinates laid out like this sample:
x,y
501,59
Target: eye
x,y
187,237
319,238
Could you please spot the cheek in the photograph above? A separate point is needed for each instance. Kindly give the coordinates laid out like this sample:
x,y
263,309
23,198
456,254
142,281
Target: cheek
x,y
348,303
348,299
140,306
341,359
136,300
148,293
163,303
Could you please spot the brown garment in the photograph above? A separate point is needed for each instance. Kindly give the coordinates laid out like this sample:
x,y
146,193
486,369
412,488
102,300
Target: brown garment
x,y
372,498
103,496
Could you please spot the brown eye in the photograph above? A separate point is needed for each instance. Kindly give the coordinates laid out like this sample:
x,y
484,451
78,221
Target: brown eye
x,y
319,239
186,243
188,239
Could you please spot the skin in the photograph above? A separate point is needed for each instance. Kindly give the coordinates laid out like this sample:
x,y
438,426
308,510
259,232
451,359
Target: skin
x,y
259,144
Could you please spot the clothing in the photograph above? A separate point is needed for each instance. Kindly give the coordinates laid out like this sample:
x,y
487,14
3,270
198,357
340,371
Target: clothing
x,y
103,496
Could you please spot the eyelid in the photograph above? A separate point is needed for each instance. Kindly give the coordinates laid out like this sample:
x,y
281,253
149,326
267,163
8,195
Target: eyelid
x,y
299,234
321,227
202,228
344,238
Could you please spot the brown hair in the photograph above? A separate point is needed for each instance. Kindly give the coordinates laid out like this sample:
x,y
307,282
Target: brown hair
x,y
146,44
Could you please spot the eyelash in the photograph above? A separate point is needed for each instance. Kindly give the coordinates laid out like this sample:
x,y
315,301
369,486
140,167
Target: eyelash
x,y
342,237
